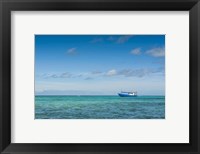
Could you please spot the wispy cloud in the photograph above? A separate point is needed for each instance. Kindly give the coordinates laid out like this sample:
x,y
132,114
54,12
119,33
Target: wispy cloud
x,y
62,75
71,51
96,72
156,52
134,72
138,72
136,51
111,72
65,75
88,78
79,75
97,40
123,39
116,39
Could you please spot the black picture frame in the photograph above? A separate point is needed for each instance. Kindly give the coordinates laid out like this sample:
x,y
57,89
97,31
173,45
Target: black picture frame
x,y
6,6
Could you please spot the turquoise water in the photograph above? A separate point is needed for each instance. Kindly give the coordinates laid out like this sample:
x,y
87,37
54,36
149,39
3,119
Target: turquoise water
x,y
99,107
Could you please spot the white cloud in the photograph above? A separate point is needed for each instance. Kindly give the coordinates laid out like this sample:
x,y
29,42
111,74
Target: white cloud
x,y
136,51
71,51
156,52
134,72
62,75
111,72
139,72
123,39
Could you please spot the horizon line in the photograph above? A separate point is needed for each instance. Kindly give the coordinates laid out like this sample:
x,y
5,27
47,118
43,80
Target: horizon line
x,y
92,95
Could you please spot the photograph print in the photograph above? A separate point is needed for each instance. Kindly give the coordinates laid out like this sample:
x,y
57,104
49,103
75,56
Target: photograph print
x,y
100,76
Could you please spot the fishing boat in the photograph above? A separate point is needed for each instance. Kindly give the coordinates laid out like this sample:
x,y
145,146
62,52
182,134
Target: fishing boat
x,y
127,94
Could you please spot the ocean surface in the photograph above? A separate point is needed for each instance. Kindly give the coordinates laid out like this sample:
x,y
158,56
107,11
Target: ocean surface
x,y
99,107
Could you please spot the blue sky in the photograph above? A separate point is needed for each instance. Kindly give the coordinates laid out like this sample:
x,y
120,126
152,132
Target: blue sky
x,y
99,64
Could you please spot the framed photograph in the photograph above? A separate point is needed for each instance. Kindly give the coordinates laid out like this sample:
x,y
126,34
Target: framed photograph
x,y
99,76
79,90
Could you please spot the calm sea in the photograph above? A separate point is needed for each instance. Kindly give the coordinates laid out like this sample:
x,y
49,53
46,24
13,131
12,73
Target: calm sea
x,y
99,107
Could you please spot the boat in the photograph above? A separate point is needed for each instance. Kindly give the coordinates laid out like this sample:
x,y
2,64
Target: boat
x,y
127,94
